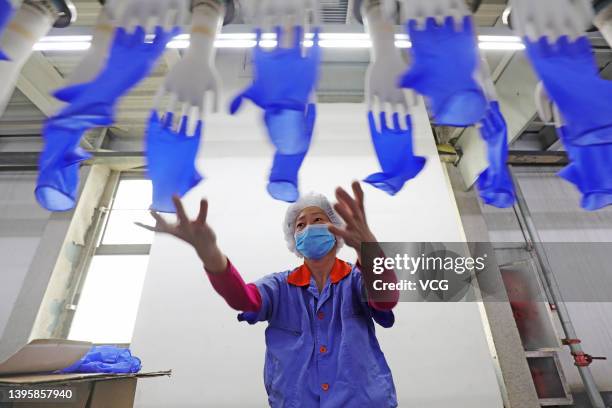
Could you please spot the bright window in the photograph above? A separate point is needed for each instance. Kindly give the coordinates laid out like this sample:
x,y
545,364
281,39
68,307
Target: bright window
x,y
109,300
131,204
109,297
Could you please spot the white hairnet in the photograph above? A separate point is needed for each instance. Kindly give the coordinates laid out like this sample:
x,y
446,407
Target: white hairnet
x,y
309,200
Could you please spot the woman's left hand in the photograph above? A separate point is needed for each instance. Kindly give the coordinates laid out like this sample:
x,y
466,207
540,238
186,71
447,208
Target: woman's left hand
x,y
356,231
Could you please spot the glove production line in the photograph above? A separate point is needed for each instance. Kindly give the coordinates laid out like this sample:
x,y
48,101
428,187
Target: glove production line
x,y
125,48
420,50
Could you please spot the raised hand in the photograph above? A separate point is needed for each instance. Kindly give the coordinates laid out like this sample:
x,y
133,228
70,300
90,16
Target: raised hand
x,y
356,231
197,233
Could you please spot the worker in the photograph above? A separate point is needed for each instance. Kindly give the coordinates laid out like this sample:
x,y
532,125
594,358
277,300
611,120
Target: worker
x,y
322,349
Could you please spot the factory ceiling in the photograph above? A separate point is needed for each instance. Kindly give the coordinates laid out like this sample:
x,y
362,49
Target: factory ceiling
x,y
342,76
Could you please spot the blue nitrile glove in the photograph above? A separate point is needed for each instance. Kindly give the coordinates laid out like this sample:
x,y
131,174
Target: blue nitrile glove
x,y
590,171
287,131
106,359
171,160
444,64
283,180
282,78
395,154
495,184
59,163
130,60
6,12
571,78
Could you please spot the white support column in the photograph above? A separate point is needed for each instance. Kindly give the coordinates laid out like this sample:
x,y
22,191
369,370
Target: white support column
x,y
515,89
40,298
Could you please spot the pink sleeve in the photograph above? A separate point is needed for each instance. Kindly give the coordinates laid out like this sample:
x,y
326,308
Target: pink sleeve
x,y
240,296
386,300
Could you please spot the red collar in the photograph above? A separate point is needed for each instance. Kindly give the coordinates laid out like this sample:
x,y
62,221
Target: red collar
x,y
301,275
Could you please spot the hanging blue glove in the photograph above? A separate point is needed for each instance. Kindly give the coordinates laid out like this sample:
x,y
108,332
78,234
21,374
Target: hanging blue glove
x,y
6,12
131,59
106,359
444,65
171,160
283,181
590,171
495,184
282,78
59,164
287,131
571,78
395,154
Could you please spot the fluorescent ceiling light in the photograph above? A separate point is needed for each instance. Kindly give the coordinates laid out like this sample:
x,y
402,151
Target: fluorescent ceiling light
x,y
67,38
402,43
61,46
501,46
248,40
345,43
499,38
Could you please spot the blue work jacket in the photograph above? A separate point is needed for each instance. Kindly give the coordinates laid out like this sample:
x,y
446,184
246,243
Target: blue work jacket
x,y
321,348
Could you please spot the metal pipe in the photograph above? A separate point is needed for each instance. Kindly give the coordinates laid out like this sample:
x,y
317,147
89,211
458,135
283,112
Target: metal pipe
x,y
553,287
81,269
530,249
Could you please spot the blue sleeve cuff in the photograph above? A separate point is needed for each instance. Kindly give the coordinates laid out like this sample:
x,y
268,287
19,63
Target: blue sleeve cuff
x,y
384,319
249,317
267,288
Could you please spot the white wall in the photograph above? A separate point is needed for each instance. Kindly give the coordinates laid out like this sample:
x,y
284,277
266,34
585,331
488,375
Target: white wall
x,y
555,208
22,223
437,352
31,240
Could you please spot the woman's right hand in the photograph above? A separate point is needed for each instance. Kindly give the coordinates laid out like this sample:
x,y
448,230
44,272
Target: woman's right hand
x,y
196,232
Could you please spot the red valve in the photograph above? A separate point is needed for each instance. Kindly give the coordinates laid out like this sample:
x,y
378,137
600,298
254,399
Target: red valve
x,y
584,360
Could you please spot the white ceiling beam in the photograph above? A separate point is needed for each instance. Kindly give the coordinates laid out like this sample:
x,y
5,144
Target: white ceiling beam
x,y
38,79
515,90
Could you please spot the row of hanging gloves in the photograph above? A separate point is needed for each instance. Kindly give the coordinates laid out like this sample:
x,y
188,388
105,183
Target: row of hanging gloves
x,y
445,68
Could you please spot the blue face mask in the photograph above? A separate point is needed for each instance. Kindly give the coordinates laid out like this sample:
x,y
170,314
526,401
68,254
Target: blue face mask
x,y
315,241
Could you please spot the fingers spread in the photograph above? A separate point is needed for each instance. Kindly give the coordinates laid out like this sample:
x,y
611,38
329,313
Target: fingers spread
x,y
147,227
343,197
180,210
359,196
339,232
345,213
162,225
203,212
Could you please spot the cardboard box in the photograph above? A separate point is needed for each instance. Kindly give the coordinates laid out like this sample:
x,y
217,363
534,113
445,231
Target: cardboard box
x,y
26,379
